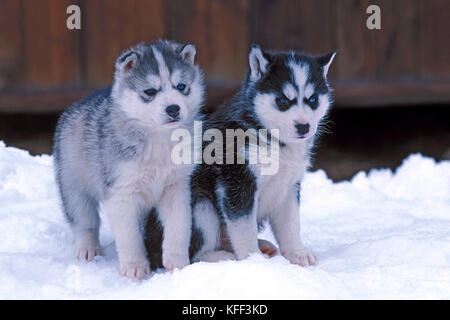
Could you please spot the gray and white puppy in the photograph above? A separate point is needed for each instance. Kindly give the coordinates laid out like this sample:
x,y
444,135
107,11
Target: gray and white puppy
x,y
286,91
112,152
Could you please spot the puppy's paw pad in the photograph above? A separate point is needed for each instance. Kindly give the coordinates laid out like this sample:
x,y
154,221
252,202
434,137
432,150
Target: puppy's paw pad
x,y
135,270
302,257
267,248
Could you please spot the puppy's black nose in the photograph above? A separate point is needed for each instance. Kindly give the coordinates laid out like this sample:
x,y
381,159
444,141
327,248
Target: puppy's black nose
x,y
173,110
302,129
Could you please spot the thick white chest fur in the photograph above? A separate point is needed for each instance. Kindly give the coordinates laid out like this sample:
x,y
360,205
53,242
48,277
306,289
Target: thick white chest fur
x,y
275,190
146,177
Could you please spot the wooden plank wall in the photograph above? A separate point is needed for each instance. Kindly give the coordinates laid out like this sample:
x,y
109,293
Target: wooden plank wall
x,y
44,66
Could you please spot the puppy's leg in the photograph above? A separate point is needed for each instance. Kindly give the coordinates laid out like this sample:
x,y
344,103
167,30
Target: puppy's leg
x,y
81,211
243,233
285,222
175,215
238,199
206,221
125,220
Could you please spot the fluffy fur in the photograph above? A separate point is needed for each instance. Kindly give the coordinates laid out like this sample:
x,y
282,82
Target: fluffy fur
x,y
112,152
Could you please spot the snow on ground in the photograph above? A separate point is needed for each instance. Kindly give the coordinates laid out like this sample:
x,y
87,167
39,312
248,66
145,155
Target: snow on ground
x,y
380,235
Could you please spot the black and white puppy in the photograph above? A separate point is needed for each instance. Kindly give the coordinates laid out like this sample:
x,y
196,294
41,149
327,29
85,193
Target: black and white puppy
x,y
284,92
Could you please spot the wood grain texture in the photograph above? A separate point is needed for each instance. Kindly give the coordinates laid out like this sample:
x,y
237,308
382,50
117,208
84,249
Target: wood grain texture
x,y
397,45
11,43
219,31
300,25
434,19
50,50
356,44
111,26
41,59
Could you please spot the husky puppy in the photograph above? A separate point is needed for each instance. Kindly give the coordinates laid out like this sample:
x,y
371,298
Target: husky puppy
x,y
112,151
287,91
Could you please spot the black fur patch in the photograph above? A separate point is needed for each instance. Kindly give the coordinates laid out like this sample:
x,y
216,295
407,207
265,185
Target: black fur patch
x,y
297,191
240,187
153,239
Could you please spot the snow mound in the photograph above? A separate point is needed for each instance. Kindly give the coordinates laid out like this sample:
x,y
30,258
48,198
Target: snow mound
x,y
382,235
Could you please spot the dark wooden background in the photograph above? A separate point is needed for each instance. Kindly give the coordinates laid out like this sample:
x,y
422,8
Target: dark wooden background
x,y
44,66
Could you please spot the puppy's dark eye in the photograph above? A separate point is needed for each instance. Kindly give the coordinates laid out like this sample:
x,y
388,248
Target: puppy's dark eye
x,y
181,86
150,92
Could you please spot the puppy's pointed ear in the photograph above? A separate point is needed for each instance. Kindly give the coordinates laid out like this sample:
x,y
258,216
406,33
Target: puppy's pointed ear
x,y
127,61
325,61
258,61
188,53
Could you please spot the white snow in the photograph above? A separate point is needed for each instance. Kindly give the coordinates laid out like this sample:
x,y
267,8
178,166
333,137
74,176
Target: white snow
x,y
380,235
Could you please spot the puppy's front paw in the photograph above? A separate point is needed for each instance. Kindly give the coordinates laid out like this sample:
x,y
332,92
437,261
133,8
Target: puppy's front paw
x,y
135,270
86,252
301,256
175,261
